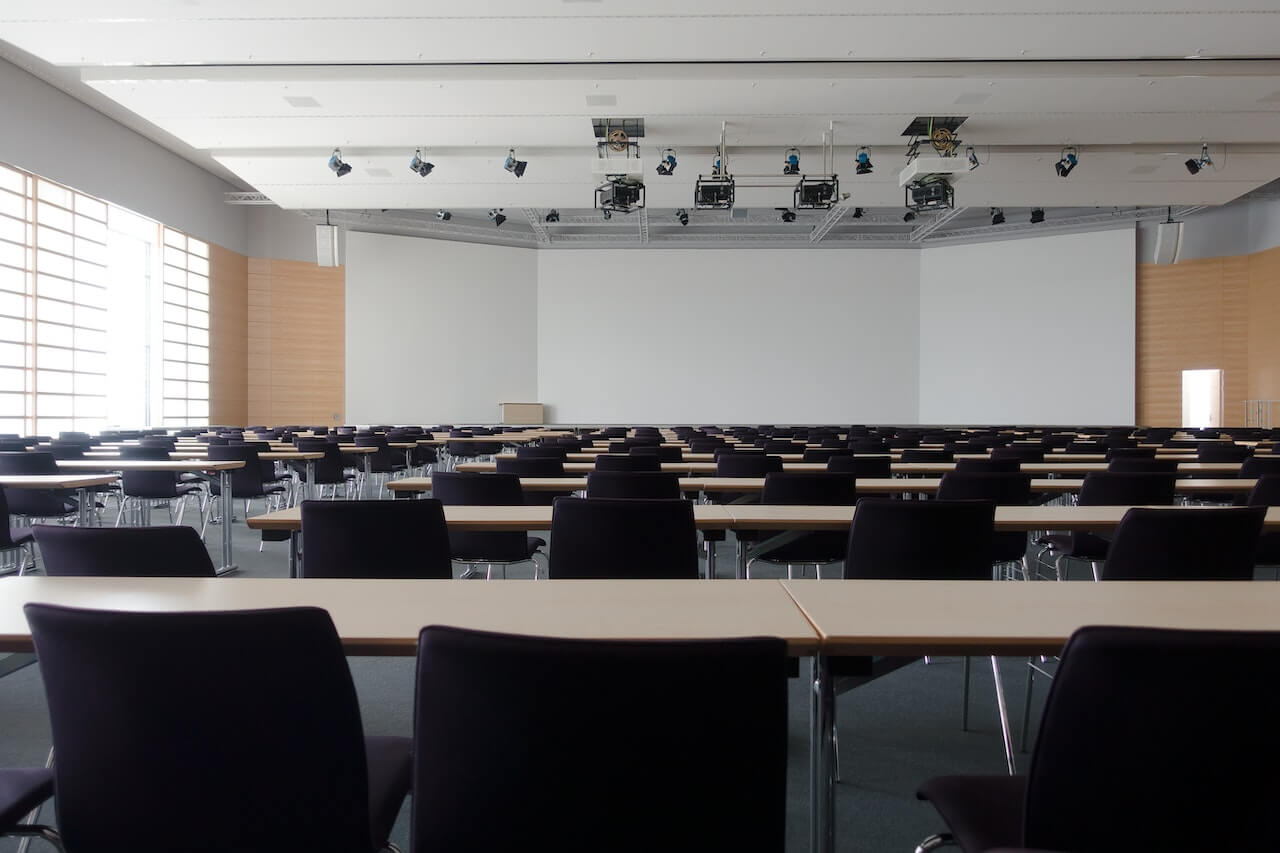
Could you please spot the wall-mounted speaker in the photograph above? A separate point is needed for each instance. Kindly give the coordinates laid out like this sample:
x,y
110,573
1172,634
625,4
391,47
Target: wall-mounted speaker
x,y
327,245
1168,242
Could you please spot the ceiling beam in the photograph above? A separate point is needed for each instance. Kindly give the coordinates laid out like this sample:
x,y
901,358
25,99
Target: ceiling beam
x,y
644,225
923,230
834,215
540,232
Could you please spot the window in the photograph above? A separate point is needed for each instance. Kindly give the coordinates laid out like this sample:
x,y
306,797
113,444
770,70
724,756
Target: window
x,y
104,314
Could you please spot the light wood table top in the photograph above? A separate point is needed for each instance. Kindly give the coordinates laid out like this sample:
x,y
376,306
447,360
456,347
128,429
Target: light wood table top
x,y
910,468
56,481
269,455
148,465
1017,617
490,518
1008,518
383,617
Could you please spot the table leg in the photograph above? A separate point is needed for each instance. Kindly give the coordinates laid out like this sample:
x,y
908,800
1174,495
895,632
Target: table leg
x,y
228,512
368,474
710,546
309,493
742,560
83,513
293,552
822,705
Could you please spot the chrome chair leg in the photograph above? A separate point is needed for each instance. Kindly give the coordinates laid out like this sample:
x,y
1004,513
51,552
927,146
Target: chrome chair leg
x,y
1004,716
933,842
964,697
1026,703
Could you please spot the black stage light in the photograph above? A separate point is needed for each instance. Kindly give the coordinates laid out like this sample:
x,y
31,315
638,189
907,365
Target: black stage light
x,y
787,214
1037,215
514,166
444,215
553,215
336,164
864,161
495,215
909,216
791,162
417,164
997,216
857,213
683,216
667,162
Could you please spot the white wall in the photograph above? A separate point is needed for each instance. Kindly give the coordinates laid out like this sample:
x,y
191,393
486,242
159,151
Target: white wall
x,y
728,336
438,331
285,235
50,133
1029,331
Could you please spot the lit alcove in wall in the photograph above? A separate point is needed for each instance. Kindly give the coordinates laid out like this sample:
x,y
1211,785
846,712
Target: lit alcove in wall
x,y
1202,398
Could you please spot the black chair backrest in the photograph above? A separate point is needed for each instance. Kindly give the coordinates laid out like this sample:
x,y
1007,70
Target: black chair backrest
x,y
259,745
901,540
542,451
530,466
247,480
817,488
375,539
28,462
1131,453
861,466
988,466
1125,488
622,538
1260,466
1266,491
649,690
823,454
6,533
1213,543
633,484
620,462
1223,451
664,454
1139,464
152,552
1004,488
746,465
1163,737
143,451
912,454
475,489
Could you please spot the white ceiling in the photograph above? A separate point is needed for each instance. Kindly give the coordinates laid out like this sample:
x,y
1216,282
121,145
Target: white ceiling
x,y
386,76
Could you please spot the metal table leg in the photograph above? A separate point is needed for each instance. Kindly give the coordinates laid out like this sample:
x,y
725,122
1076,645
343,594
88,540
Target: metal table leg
x,y
228,513
822,794
83,513
710,546
293,552
368,474
310,492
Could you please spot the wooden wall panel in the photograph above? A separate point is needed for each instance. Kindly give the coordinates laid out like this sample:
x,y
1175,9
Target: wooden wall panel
x,y
228,336
1264,325
296,343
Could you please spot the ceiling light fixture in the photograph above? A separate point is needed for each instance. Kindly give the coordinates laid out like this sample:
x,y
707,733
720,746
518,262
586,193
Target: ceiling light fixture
x,y
514,166
973,158
553,215
791,161
496,217
1067,162
444,215
1194,166
667,162
1037,215
417,164
863,159
682,216
909,216
787,214
997,216
857,213
336,163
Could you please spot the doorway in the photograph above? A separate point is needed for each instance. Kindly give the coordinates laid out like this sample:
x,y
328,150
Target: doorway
x,y
1201,399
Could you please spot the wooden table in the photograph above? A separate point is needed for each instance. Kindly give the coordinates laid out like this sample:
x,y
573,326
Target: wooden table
x,y
81,483
991,618
208,469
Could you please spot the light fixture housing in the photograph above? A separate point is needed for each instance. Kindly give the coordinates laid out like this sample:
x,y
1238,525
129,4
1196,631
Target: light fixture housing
x,y
667,162
553,215
713,192
791,161
909,216
863,161
816,193
1066,163
496,217
444,215
514,166
786,214
419,165
620,194
337,165
974,162
1194,166
857,213
997,216
1037,215
682,216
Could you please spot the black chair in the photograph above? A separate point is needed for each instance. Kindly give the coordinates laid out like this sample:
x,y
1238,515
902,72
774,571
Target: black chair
x,y
1161,738
1223,451
1104,488
913,454
36,503
144,488
543,451
925,540
534,467
1141,464
988,466
329,471
484,699
664,454
1217,543
487,548
15,545
1266,492
623,538
374,539
806,489
620,462
257,747
633,484
152,552
862,467
1003,488
1131,453
823,454
247,482
1020,453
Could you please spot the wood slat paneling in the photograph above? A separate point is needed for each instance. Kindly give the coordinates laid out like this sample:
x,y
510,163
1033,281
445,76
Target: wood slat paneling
x,y
296,342
1264,325
228,336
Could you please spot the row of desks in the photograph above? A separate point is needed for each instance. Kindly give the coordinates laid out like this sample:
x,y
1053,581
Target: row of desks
x,y
820,619
1066,466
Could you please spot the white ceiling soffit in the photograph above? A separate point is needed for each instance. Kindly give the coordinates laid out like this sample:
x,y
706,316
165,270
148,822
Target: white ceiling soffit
x,y
92,32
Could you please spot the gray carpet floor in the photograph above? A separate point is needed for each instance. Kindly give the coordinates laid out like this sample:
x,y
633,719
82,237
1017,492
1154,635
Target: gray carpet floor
x,y
894,733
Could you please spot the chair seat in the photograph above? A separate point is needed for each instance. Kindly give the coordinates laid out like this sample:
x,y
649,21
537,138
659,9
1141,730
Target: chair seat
x,y
533,543
982,812
390,769
21,790
1082,546
20,535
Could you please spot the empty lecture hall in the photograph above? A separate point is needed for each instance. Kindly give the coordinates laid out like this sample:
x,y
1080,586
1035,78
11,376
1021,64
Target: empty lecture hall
x,y
715,425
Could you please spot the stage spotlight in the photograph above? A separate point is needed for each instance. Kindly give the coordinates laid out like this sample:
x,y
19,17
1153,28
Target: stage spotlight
x,y
682,216
1068,162
514,166
496,217
553,215
864,161
857,213
791,162
1194,166
444,215
1037,215
417,164
787,215
997,216
606,213
973,158
909,216
667,162
335,163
